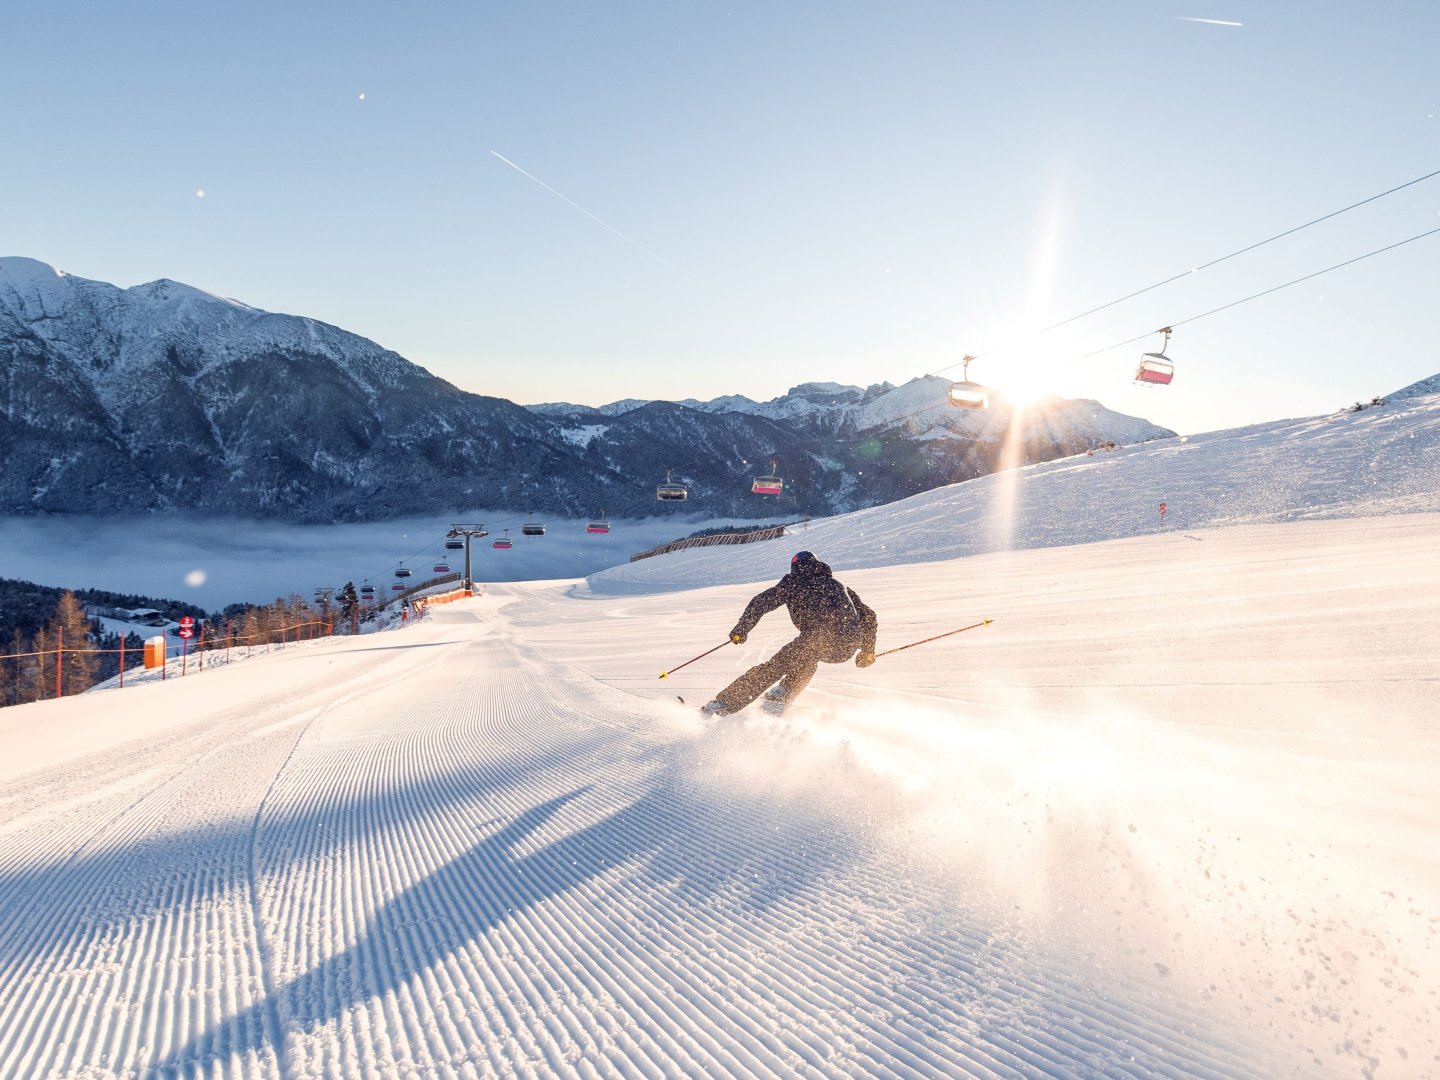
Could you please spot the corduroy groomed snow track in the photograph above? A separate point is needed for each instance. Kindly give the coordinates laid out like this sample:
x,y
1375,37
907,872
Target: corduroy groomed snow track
x,y
490,844
472,870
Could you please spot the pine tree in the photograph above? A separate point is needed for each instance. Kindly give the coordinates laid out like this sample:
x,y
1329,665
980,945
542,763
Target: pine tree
x,y
70,628
349,600
108,659
10,693
300,615
37,677
134,650
251,628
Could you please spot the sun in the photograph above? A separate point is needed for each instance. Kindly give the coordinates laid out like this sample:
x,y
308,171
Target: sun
x,y
1026,384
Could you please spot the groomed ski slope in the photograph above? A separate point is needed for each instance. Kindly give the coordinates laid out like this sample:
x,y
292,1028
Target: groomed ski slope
x,y
1172,814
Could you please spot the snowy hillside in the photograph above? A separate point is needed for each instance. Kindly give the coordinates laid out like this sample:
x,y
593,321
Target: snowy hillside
x,y
1419,389
1384,459
1171,814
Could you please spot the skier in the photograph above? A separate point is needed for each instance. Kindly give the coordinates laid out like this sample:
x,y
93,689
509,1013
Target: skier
x,y
833,624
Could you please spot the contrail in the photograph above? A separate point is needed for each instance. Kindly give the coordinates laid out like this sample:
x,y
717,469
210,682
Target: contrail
x,y
1212,22
592,217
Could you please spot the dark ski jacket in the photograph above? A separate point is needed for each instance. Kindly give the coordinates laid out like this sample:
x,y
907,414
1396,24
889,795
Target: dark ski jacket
x,y
818,604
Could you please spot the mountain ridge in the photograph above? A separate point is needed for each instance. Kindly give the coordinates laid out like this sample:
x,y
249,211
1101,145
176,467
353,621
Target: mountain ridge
x,y
163,398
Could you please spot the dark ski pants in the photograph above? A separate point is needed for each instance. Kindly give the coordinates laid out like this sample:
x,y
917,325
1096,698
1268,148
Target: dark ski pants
x,y
793,667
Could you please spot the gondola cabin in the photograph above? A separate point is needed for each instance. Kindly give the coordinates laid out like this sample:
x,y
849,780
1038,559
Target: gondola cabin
x,y
454,545
403,571
969,395
1156,368
670,491
503,544
367,592
532,528
599,525
770,484
966,394
441,568
397,587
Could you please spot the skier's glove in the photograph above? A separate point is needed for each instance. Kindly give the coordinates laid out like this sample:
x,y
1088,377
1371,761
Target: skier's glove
x,y
864,659
738,637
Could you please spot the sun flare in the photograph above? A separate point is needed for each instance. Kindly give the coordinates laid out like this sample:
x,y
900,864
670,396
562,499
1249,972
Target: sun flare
x,y
1022,391
1026,384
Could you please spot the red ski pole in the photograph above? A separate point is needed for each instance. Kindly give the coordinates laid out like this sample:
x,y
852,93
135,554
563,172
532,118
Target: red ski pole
x,y
937,637
707,652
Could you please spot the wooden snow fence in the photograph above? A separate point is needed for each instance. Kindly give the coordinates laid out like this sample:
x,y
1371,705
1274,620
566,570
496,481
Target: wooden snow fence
x,y
773,532
413,591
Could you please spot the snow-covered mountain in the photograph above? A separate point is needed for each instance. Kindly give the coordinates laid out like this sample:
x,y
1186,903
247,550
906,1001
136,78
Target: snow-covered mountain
x,y
833,408
162,398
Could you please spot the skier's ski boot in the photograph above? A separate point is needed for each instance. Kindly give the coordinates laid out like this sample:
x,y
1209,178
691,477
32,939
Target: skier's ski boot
x,y
715,708
776,699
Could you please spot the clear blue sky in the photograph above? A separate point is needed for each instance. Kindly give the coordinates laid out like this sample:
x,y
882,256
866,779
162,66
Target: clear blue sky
x,y
790,191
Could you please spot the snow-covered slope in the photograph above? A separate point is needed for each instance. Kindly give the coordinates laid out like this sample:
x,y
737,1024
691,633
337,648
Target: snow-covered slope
x,y
1384,459
1171,814
1423,388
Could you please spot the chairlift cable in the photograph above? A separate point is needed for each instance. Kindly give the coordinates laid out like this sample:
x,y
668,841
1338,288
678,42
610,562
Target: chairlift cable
x,y
1256,296
390,567
1242,251
1207,314
1206,266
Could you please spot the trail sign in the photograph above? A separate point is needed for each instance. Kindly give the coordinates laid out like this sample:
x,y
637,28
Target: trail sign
x,y
186,632
187,623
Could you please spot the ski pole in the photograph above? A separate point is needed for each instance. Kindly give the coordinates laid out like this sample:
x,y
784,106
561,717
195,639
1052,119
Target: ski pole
x,y
707,652
937,637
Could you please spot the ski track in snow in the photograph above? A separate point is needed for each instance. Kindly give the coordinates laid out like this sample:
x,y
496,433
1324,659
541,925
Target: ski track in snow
x,y
422,877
